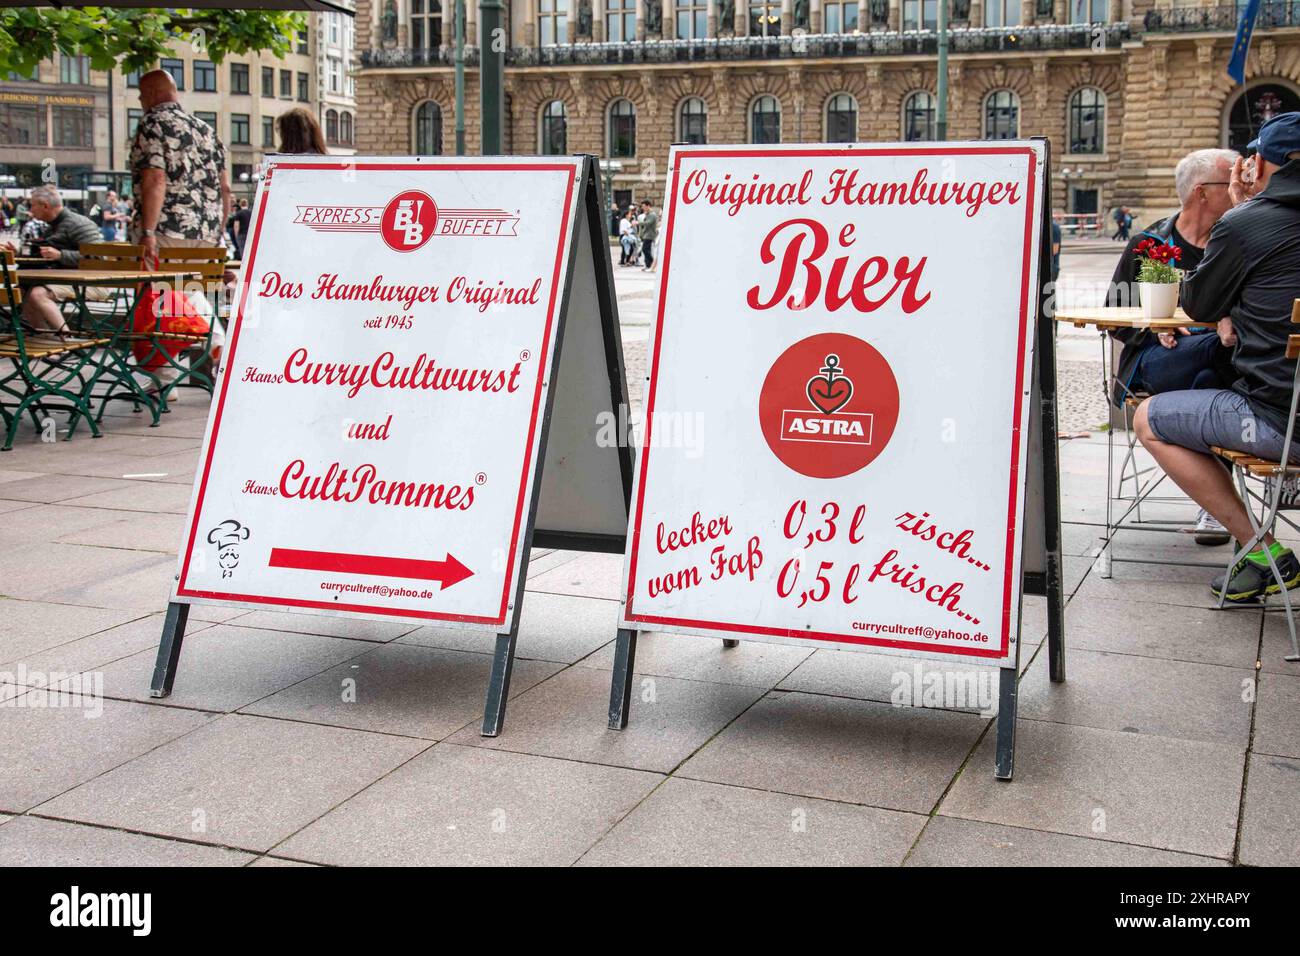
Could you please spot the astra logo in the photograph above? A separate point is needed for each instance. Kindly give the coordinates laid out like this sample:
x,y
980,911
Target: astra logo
x,y
77,909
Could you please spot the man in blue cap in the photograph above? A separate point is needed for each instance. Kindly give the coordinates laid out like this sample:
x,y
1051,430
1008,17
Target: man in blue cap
x,y
1250,273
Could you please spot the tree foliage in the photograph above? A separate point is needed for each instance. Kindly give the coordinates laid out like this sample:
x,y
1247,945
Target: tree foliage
x,y
136,39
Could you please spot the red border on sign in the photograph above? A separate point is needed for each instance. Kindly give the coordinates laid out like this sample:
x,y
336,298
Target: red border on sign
x,y
236,326
647,444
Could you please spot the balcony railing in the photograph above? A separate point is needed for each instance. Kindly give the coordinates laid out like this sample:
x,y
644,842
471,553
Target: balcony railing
x,y
1224,18
806,46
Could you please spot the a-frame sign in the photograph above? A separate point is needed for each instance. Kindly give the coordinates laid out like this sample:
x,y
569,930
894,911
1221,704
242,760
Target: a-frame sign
x,y
423,355
862,329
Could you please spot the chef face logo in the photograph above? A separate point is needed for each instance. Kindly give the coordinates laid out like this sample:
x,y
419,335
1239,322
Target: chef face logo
x,y
829,405
408,221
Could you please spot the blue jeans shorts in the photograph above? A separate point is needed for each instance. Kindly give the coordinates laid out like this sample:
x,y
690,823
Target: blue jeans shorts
x,y
1207,417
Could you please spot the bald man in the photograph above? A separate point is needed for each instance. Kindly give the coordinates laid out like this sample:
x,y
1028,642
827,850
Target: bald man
x,y
178,169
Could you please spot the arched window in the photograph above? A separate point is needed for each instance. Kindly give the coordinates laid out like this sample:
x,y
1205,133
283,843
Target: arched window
x,y
554,131
1001,115
428,129
918,117
1087,120
1254,107
693,121
622,129
426,24
345,128
331,126
765,121
841,119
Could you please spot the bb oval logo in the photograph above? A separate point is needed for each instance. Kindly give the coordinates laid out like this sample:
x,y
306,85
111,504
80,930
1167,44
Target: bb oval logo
x,y
408,221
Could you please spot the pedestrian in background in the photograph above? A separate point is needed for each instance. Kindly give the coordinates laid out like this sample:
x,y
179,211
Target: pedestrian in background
x,y
300,133
648,232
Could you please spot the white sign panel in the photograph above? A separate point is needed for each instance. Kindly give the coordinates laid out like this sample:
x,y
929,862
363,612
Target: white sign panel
x,y
373,442
844,334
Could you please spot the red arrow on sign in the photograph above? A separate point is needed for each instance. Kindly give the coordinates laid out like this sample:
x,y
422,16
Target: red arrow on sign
x,y
447,572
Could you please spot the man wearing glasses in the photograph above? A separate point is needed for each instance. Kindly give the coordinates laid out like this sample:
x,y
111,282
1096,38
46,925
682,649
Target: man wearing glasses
x,y
1186,359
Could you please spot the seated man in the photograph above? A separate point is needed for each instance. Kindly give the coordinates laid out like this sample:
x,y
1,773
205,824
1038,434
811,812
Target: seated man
x,y
1168,361
66,231
1251,273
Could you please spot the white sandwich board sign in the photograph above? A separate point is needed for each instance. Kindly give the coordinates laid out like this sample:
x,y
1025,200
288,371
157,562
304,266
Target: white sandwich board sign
x,y
849,331
376,440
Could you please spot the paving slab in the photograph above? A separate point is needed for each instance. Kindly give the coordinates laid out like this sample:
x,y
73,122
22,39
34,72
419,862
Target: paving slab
x,y
33,841
28,627
403,689
948,841
691,657
1145,629
158,496
1144,695
240,781
568,717
460,806
223,668
1277,729
855,751
99,650
100,577
47,524
325,624
47,750
278,861
552,627
692,823
892,679
1191,594
138,532
50,487
1132,788
591,574
1276,644
1270,829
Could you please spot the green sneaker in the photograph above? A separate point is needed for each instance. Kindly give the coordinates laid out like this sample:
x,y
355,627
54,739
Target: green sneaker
x,y
1249,580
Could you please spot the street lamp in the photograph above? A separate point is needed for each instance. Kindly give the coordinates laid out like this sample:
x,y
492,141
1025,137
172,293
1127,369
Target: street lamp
x,y
609,168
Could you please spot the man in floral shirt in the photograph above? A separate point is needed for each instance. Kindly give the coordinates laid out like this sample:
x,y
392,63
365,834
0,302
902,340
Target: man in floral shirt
x,y
178,169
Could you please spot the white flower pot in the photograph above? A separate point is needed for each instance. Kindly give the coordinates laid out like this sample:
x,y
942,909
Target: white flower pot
x,y
1159,299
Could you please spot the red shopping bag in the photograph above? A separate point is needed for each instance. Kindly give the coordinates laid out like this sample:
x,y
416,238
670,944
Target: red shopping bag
x,y
158,313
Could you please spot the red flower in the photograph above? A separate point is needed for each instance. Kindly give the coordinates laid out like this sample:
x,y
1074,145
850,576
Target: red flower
x,y
1144,245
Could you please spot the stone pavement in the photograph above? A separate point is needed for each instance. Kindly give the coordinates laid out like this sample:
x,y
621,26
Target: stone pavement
x,y
1174,741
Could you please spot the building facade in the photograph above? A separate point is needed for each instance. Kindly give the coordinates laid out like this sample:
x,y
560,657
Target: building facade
x,y
54,126
1122,88
76,124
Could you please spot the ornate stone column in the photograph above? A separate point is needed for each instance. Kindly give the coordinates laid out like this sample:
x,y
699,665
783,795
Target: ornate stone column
x,y
471,24
895,14
742,18
598,20
787,17
640,19
1027,12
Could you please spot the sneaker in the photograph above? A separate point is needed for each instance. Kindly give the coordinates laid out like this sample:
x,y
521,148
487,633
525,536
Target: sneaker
x,y
1208,531
1290,500
1249,580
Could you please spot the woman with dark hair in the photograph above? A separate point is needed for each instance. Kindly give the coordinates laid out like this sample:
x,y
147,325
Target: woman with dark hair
x,y
300,133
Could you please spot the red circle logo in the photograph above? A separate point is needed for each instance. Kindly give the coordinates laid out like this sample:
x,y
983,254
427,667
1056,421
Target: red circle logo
x,y
829,405
408,221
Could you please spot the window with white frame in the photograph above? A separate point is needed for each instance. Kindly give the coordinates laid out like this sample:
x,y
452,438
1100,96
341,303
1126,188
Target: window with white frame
x,y
919,117
620,20
840,16
1002,13
552,22
1087,120
692,19
693,121
841,119
765,121
920,14
426,24
1001,115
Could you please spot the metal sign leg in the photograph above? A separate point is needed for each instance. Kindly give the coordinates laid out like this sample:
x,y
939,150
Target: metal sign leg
x,y
620,687
169,651
1006,754
729,642
503,662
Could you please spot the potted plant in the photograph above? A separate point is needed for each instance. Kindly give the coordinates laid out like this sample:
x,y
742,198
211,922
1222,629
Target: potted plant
x,y
1158,278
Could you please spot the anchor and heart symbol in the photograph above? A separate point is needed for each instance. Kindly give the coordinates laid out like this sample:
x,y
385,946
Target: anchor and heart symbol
x,y
831,390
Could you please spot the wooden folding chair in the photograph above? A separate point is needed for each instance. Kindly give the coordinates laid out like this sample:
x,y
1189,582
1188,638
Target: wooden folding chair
x,y
46,366
209,263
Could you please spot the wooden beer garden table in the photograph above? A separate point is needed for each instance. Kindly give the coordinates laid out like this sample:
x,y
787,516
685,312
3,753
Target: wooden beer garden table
x,y
1144,479
115,327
